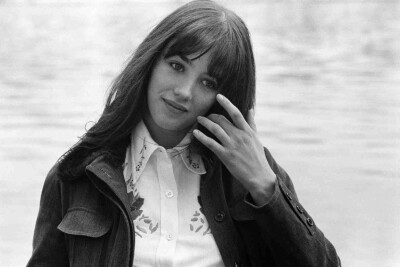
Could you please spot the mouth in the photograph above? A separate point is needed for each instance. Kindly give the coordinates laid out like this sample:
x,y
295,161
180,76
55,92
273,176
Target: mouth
x,y
175,105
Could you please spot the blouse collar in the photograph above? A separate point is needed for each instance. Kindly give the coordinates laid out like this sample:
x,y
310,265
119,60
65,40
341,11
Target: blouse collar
x,y
143,146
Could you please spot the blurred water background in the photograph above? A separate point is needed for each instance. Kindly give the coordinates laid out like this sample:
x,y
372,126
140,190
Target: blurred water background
x,y
328,105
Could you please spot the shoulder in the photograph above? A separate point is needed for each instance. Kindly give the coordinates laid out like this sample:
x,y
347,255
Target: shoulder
x,y
67,175
63,192
72,165
52,181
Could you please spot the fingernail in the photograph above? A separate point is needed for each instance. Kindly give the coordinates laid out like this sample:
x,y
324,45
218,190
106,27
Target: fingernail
x,y
220,97
195,132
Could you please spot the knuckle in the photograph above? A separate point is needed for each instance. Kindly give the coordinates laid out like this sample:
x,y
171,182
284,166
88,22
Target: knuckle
x,y
247,137
220,117
243,139
212,116
236,115
210,144
246,141
216,117
230,154
214,128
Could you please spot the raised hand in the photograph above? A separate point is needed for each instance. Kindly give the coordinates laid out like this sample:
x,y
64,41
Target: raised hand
x,y
239,149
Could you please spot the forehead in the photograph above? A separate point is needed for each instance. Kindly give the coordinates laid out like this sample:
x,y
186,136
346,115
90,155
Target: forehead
x,y
188,46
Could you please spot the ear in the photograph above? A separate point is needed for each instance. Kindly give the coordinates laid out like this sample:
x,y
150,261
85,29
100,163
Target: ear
x,y
250,119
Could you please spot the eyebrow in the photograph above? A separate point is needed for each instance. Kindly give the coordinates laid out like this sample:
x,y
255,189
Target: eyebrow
x,y
186,59
189,60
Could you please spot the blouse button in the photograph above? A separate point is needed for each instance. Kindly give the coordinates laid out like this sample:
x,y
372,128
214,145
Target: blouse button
x,y
220,216
169,194
310,221
170,237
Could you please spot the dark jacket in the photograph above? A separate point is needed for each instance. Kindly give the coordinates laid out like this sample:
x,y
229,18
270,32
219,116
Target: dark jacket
x,y
85,221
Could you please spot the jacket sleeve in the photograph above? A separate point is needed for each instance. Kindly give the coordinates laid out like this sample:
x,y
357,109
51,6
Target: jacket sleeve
x,y
48,242
286,228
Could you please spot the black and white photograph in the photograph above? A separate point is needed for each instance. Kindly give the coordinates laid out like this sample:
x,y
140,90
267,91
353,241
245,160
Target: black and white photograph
x,y
200,133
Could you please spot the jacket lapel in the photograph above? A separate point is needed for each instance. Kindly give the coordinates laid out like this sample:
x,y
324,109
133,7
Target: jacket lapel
x,y
216,210
113,180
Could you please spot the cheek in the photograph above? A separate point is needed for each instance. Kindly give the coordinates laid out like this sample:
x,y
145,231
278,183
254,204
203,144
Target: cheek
x,y
207,101
158,80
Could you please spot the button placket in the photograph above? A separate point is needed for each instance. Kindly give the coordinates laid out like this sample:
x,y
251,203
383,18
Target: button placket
x,y
168,209
169,194
170,237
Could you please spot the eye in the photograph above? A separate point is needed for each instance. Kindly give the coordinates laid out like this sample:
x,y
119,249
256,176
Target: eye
x,y
210,84
177,66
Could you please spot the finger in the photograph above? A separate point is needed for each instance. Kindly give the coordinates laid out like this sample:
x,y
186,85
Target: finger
x,y
209,142
215,129
222,121
250,119
233,112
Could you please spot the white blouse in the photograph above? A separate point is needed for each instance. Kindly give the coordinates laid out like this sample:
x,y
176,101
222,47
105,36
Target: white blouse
x,y
163,188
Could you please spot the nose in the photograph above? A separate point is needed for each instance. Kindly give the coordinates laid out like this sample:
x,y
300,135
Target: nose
x,y
184,88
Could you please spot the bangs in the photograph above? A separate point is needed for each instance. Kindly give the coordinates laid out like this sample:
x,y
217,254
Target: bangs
x,y
224,65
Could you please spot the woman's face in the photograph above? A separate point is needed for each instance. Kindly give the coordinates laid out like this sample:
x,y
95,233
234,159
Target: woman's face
x,y
180,89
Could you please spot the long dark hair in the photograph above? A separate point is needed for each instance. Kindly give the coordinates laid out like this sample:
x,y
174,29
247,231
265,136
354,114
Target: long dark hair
x,y
198,26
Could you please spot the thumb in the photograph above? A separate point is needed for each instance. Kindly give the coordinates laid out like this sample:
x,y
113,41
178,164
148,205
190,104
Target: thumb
x,y
250,119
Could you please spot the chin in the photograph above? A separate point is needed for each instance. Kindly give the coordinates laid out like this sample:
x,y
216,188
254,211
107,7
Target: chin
x,y
171,126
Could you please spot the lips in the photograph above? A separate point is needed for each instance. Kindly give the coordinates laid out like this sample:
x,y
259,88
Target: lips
x,y
174,105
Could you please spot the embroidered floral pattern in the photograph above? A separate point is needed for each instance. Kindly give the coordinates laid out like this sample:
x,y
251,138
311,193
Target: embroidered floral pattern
x,y
141,153
198,223
135,205
192,163
145,225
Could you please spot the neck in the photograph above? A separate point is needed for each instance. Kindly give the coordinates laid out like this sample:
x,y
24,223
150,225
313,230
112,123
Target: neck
x,y
164,137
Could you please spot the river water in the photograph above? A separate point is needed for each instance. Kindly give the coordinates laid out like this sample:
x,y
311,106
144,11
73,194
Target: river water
x,y
328,105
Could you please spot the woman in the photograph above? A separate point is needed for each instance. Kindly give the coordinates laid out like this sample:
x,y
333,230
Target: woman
x,y
173,174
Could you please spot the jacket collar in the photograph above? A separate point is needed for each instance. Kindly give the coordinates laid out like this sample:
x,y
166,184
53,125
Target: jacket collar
x,y
111,175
